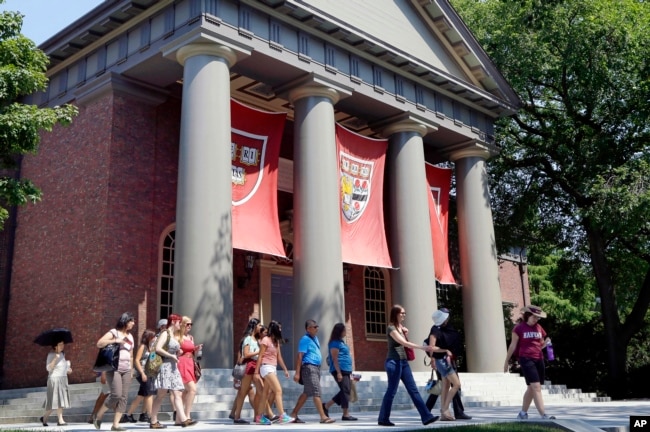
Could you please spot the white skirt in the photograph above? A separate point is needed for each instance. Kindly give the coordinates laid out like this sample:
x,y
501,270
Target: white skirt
x,y
57,393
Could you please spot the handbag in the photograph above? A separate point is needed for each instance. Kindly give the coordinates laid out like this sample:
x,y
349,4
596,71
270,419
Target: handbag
x,y
108,358
433,386
197,370
410,352
239,371
154,361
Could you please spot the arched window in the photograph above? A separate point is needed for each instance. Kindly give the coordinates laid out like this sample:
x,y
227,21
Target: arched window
x,y
166,286
375,300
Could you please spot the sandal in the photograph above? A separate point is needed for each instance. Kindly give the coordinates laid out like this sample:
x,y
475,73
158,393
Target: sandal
x,y
328,420
157,425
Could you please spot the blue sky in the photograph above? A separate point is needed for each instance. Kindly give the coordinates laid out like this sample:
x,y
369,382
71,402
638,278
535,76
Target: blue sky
x,y
44,18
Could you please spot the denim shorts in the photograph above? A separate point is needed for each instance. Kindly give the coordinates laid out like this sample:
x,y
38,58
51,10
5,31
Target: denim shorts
x,y
444,367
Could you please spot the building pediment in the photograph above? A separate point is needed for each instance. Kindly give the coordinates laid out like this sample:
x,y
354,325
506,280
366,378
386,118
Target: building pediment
x,y
401,56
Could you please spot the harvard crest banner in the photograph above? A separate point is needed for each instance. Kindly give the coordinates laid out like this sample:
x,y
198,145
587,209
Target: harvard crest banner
x,y
439,182
361,173
255,149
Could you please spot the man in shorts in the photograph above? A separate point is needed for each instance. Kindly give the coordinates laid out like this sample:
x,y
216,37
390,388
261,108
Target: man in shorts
x,y
308,362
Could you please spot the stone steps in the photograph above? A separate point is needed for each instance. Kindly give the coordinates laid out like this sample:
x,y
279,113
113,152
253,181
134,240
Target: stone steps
x,y
216,395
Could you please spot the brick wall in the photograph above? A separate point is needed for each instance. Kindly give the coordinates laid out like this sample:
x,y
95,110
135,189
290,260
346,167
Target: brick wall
x,y
511,281
89,251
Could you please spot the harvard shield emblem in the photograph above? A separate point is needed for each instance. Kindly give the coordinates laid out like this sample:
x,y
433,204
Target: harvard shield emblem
x,y
356,175
247,153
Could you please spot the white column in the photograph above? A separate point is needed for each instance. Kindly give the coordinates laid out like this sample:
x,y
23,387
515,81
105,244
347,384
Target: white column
x,y
483,312
413,283
318,272
203,277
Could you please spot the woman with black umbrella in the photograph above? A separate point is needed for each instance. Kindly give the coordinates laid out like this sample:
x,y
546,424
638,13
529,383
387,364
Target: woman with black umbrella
x,y
58,396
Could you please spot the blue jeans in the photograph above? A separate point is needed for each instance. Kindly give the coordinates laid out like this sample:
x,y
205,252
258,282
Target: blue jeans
x,y
400,370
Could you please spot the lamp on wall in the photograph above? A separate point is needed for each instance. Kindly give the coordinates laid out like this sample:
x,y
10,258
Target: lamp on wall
x,y
347,276
249,265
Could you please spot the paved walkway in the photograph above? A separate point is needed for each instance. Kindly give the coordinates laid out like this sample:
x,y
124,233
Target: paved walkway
x,y
583,417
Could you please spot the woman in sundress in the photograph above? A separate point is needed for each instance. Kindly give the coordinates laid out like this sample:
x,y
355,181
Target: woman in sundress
x,y
169,378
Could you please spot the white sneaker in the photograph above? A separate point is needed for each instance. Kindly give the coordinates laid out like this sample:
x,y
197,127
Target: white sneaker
x,y
523,415
547,417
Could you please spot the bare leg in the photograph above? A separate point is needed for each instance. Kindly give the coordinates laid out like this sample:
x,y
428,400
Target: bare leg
x,y
451,392
177,398
241,396
188,397
537,397
59,413
134,405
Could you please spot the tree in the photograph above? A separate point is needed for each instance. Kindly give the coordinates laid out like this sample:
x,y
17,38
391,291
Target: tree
x,y
574,168
22,72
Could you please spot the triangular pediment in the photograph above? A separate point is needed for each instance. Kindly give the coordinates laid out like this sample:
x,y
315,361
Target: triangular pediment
x,y
396,24
428,34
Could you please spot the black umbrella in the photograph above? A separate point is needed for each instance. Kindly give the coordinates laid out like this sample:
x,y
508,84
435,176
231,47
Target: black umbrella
x,y
53,337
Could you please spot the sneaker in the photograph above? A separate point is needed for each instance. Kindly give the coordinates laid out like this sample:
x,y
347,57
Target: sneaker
x,y
97,423
286,419
547,417
131,418
298,420
144,417
523,415
240,421
275,419
124,419
262,420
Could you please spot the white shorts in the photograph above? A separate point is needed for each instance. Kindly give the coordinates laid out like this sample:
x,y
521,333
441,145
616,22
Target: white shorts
x,y
267,369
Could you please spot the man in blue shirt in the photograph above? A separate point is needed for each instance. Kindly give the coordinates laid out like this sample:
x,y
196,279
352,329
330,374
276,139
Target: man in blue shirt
x,y
308,363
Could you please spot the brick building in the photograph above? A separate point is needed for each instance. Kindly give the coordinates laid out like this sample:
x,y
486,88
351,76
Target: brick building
x,y
127,187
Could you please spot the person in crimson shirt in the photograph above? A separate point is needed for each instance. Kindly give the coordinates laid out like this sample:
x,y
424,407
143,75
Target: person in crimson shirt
x,y
529,338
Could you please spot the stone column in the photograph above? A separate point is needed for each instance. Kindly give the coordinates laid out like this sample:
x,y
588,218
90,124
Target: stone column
x,y
413,282
483,312
203,276
317,266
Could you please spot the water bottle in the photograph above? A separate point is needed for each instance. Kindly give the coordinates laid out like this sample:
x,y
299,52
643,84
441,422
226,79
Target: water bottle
x,y
550,355
199,354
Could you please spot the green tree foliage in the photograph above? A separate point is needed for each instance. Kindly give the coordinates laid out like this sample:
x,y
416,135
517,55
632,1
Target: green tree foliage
x,y
574,170
22,72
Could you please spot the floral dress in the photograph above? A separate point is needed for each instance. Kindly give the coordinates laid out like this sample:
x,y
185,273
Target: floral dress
x,y
169,377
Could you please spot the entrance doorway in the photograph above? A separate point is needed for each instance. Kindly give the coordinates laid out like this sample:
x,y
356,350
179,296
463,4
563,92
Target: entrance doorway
x,y
281,307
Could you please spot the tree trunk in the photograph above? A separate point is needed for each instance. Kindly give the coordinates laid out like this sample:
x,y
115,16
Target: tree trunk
x,y
616,345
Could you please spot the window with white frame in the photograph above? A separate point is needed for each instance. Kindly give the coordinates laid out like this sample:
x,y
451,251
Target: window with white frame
x,y
374,293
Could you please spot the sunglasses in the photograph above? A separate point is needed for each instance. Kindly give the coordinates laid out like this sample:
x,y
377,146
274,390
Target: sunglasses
x,y
188,325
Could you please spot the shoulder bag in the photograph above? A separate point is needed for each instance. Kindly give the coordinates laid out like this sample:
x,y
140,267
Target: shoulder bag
x,y
433,386
410,352
154,361
108,358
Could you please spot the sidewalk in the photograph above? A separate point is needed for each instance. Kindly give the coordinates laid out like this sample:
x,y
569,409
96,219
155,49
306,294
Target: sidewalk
x,y
609,416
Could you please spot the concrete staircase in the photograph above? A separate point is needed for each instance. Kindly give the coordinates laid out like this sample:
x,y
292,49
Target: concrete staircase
x,y
216,395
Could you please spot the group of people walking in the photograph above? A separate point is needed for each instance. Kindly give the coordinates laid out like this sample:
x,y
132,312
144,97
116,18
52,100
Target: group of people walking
x,y
176,377
260,351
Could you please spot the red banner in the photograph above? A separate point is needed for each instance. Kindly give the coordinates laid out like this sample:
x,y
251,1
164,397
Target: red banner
x,y
255,149
361,167
439,182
